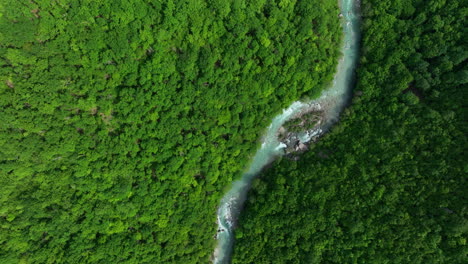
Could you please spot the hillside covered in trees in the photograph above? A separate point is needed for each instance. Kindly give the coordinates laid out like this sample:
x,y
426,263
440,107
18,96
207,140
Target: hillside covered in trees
x,y
123,120
388,184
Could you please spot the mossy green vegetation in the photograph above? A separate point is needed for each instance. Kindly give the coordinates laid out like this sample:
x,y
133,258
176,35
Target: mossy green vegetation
x,y
303,122
123,120
388,183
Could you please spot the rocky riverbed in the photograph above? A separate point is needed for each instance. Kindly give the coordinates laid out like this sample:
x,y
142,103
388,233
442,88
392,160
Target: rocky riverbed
x,y
305,127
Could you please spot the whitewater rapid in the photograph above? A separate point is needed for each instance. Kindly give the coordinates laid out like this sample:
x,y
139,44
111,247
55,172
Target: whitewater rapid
x,y
332,102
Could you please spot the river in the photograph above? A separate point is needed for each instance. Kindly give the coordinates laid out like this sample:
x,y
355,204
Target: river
x,y
332,102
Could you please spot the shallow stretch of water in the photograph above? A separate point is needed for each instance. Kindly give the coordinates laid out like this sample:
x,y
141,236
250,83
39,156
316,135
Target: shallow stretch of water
x,y
332,101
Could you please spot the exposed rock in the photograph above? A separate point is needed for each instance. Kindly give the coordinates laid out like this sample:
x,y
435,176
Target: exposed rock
x,y
302,129
302,147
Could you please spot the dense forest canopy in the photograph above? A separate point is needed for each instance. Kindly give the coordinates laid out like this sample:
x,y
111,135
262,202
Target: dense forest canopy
x,y
123,120
388,184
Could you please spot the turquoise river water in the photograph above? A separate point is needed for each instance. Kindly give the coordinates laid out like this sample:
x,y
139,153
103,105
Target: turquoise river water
x,y
331,102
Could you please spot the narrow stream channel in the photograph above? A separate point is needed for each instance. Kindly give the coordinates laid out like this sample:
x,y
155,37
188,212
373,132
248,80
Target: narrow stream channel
x,y
331,102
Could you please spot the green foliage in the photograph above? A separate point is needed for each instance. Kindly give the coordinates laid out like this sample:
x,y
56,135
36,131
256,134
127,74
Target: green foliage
x,y
304,122
123,121
388,183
